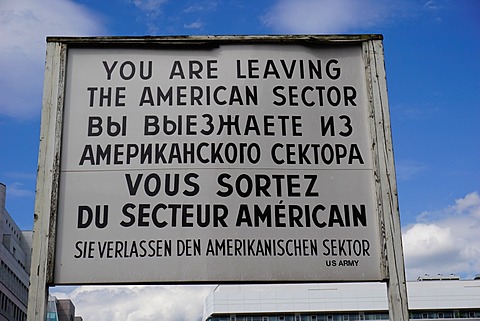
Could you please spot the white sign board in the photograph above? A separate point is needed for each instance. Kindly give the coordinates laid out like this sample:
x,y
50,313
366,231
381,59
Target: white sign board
x,y
239,163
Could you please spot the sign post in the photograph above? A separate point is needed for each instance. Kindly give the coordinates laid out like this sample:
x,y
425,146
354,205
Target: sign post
x,y
386,188
47,182
219,159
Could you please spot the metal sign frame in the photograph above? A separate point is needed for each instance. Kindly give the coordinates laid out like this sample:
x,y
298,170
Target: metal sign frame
x,y
48,179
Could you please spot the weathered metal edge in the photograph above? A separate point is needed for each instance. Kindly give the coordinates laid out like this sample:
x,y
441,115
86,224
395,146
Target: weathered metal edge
x,y
47,182
214,39
386,183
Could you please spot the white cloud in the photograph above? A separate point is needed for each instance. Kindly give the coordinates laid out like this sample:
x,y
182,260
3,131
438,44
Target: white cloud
x,y
24,26
151,7
194,25
137,303
202,6
323,16
408,169
18,189
152,10
20,185
469,204
431,5
446,241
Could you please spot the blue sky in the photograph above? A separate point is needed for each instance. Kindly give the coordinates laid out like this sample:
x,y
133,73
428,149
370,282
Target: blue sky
x,y
432,56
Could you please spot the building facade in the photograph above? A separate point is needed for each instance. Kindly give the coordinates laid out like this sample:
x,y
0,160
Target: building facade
x,y
15,251
61,310
428,299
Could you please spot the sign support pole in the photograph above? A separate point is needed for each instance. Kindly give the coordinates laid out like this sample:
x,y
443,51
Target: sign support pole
x,y
41,271
385,176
